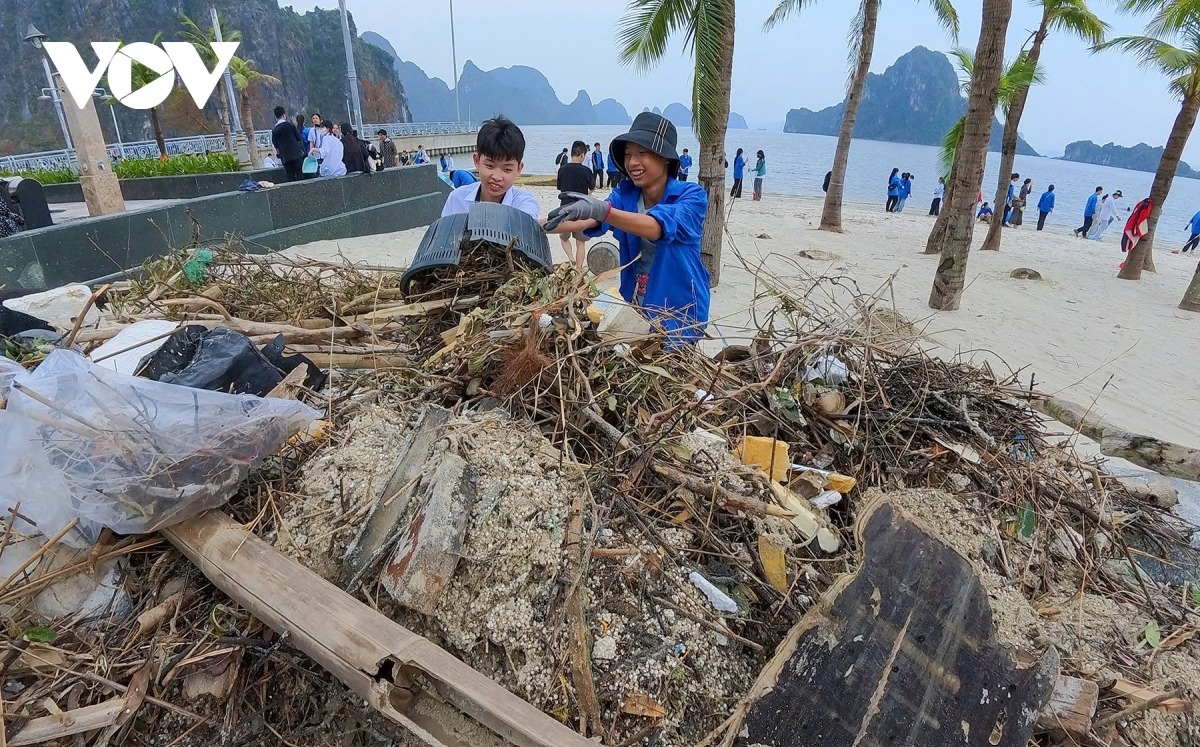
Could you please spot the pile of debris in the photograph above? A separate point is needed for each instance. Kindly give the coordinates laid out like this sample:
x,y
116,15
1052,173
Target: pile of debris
x,y
637,539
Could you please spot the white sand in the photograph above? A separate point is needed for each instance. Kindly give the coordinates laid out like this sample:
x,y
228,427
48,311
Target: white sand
x,y
1075,329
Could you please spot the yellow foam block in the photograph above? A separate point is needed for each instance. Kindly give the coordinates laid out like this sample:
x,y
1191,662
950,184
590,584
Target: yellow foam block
x,y
768,454
840,483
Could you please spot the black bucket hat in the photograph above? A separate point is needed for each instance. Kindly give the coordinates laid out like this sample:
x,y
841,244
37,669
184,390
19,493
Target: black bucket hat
x,y
653,132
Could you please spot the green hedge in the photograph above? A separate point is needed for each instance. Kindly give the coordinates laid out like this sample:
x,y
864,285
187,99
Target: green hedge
x,y
45,176
213,163
133,168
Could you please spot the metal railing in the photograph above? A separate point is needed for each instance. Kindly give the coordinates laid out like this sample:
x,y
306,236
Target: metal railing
x,y
203,144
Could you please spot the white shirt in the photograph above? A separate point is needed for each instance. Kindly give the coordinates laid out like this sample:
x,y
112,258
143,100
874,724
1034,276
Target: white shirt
x,y
331,153
1108,208
460,200
939,190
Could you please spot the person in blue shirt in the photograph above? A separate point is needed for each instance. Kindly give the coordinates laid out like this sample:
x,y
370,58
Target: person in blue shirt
x,y
893,191
460,177
1193,240
657,220
614,174
1045,206
985,213
1089,213
739,172
905,190
685,163
1009,197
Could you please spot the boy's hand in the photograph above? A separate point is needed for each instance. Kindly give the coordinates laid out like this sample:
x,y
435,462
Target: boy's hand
x,y
582,207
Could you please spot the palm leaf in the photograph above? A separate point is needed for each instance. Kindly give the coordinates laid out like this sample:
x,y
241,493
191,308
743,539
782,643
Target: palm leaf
x,y
1074,17
947,15
646,29
785,10
949,147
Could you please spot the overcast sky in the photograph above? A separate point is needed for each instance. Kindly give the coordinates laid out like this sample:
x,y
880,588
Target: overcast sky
x,y
1103,97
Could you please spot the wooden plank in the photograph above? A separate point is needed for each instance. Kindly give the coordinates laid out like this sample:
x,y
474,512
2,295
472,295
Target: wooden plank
x,y
48,728
904,651
375,657
1140,694
1070,710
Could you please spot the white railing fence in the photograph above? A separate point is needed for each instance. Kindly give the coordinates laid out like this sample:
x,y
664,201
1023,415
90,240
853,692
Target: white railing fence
x,y
202,144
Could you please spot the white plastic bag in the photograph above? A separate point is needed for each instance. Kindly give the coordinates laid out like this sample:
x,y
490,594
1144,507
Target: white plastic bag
x,y
9,370
80,441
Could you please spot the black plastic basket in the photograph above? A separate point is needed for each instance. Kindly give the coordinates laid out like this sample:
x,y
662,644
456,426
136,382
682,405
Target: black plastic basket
x,y
491,223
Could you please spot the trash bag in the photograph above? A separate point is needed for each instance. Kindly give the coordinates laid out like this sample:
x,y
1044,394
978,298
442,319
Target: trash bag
x,y
314,380
78,441
222,360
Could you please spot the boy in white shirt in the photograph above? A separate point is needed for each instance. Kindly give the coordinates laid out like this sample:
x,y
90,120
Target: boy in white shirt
x,y
499,160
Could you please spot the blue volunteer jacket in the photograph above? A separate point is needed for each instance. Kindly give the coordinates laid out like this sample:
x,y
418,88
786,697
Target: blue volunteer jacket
x,y
739,167
1046,204
905,188
1196,223
894,186
678,283
597,161
685,163
1090,208
612,164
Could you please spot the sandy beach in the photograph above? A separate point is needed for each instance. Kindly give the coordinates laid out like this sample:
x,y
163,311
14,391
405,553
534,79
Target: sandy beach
x,y
1084,334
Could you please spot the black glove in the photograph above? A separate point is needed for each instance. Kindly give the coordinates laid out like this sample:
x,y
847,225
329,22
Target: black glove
x,y
582,207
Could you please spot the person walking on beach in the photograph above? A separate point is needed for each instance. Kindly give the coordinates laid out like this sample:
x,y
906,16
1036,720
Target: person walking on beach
x,y
685,163
1193,240
575,177
1018,211
760,173
598,166
905,191
658,220
1089,212
939,192
1106,215
1045,206
1008,199
893,191
561,159
739,172
614,174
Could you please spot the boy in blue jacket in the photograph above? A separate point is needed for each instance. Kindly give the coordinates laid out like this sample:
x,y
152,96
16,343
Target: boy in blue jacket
x,y
1045,206
658,220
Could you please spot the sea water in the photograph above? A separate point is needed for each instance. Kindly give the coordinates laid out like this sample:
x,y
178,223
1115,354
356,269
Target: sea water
x,y
796,165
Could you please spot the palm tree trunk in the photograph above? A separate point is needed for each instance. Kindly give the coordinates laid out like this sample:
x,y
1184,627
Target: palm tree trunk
x,y
223,108
1008,145
1191,297
951,273
1140,257
831,213
937,236
156,128
248,124
712,159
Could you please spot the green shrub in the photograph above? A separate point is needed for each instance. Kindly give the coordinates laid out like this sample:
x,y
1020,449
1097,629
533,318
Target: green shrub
x,y
213,163
45,176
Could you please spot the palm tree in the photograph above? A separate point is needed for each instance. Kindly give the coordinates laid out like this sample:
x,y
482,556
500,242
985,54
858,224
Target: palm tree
x,y
1019,75
707,28
140,76
202,40
245,76
862,46
1069,16
1191,297
1171,46
951,273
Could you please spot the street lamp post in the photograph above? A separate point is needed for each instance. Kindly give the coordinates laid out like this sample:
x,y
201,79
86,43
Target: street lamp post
x,y
100,93
35,37
351,73
81,128
235,117
454,58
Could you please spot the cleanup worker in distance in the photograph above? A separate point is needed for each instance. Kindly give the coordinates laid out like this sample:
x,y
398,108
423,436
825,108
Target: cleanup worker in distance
x,y
657,219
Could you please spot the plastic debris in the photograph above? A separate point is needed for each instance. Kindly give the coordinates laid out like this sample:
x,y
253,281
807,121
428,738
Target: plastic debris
x,y
124,352
826,498
827,368
59,306
717,598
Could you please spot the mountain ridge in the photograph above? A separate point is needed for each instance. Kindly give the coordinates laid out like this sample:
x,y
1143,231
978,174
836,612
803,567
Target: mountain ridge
x,y
916,100
1140,157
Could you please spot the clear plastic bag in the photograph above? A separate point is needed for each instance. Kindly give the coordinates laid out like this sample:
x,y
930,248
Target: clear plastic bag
x,y
81,441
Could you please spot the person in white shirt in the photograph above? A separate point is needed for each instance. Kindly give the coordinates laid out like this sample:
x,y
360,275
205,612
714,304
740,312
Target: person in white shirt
x,y
1108,213
330,152
939,191
499,160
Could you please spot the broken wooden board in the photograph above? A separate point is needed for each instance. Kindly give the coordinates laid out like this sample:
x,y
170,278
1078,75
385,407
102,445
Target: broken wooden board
x,y
384,663
1069,712
46,729
902,652
1140,694
380,528
431,541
